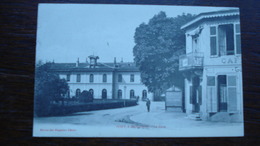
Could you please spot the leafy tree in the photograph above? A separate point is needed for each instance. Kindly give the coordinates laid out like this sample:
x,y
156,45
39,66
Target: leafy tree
x,y
158,46
48,88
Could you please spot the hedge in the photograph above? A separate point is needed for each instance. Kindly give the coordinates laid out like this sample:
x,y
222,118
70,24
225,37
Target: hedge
x,y
61,110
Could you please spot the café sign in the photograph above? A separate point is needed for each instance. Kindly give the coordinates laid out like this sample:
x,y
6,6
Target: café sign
x,y
230,60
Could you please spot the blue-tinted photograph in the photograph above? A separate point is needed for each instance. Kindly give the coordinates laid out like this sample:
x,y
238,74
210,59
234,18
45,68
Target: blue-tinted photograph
x,y
110,70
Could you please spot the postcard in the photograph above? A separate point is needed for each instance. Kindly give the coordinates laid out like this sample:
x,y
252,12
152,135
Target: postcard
x,y
110,70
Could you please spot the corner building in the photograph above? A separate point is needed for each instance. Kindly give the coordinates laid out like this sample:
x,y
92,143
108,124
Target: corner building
x,y
212,67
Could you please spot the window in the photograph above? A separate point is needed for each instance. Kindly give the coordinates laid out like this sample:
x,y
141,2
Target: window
x,y
68,77
120,78
238,38
104,78
132,78
119,94
91,91
91,78
77,92
211,81
231,80
132,93
195,43
226,39
213,41
104,94
78,77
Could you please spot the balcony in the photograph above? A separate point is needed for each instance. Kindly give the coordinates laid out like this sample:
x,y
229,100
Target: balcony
x,y
191,61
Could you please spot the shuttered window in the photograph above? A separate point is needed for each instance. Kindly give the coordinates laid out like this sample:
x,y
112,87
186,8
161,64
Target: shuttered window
x,y
212,102
238,38
213,41
232,94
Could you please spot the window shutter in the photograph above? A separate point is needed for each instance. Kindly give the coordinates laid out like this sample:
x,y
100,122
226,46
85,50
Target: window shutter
x,y
191,93
212,102
200,95
232,94
213,41
212,99
222,41
238,39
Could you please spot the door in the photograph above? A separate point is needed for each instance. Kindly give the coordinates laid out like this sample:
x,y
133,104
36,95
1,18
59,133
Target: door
x,y
222,93
195,94
104,94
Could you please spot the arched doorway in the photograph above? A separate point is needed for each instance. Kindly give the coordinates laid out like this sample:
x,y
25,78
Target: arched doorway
x,y
119,94
104,94
91,91
77,93
132,93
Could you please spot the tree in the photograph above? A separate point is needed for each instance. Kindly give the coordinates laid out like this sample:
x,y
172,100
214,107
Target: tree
x,y
158,46
48,88
85,96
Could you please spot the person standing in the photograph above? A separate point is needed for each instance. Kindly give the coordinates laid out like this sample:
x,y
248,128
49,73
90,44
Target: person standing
x,y
148,103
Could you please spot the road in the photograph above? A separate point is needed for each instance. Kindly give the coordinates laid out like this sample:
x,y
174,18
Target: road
x,y
132,122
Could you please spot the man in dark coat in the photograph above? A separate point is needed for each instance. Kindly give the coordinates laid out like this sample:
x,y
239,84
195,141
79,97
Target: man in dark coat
x,y
148,103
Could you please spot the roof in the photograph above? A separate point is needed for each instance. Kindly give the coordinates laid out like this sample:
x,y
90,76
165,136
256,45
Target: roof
x,y
127,66
71,67
214,14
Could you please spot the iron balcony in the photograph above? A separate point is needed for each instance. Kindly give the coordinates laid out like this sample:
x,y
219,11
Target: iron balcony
x,y
189,61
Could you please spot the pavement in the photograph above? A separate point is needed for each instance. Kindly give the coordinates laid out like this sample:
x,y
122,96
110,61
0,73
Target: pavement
x,y
132,122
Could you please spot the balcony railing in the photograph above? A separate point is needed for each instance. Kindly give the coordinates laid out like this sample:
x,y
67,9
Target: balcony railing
x,y
191,61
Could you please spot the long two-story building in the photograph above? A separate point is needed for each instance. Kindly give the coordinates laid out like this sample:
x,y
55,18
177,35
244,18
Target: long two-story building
x,y
116,80
212,66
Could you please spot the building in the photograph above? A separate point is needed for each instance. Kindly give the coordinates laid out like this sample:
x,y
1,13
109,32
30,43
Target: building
x,y
212,67
103,80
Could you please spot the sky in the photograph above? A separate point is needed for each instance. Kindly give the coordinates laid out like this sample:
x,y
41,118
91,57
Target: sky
x,y
66,32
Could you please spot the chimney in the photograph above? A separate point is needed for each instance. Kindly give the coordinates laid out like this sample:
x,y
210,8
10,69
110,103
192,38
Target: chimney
x,y
115,60
122,60
77,64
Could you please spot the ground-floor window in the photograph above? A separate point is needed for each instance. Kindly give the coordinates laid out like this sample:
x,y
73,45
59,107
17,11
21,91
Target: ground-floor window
x,y
77,92
119,94
91,91
104,94
132,93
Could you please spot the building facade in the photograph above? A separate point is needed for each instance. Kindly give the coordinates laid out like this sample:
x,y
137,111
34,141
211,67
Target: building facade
x,y
212,67
103,80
